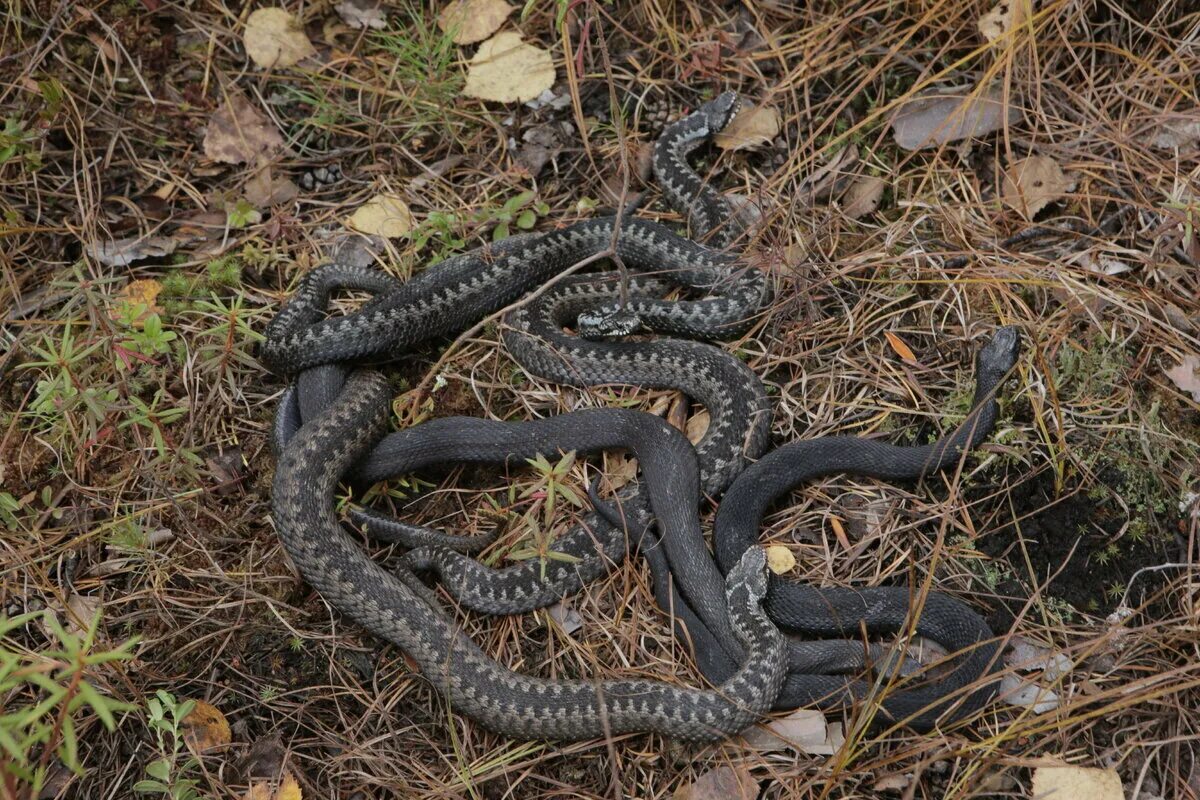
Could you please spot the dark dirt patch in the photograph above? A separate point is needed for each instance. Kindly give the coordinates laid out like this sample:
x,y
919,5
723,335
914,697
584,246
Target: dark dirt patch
x,y
1080,548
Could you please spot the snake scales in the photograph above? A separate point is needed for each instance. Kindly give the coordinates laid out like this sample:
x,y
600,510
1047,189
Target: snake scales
x,y
325,425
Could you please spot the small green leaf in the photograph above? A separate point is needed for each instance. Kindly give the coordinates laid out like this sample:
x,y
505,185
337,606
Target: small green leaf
x,y
526,220
147,787
500,232
160,769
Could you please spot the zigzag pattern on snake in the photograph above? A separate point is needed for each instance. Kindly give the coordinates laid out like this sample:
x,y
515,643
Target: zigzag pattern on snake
x,y
463,289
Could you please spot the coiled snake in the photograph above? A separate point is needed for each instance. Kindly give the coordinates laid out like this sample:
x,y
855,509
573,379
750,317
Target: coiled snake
x,y
324,428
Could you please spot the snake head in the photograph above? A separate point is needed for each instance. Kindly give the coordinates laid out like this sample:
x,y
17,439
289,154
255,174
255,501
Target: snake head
x,y
721,110
999,355
749,573
599,324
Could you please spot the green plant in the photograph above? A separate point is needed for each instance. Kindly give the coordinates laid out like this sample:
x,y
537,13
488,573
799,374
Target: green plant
x,y
167,775
515,211
64,391
17,142
9,506
546,490
45,692
152,418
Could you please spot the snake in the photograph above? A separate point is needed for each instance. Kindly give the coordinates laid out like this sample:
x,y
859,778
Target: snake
x,y
303,341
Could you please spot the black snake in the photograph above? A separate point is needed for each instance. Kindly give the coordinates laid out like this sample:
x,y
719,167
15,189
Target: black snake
x,y
461,290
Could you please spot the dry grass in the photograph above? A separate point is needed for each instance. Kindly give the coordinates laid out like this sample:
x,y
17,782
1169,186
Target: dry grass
x,y
158,508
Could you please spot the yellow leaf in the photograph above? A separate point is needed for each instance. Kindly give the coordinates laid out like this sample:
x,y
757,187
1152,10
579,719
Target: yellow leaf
x,y
506,70
900,347
206,728
1007,15
840,532
274,39
382,215
752,127
780,559
1077,783
141,292
473,20
287,789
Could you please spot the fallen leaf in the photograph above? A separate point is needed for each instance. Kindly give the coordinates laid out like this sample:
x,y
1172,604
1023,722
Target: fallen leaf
x,y
1178,134
264,189
285,789
863,196
1007,15
900,347
565,617
1101,264
382,215
1021,691
830,178
1186,375
804,730
206,728
79,613
893,783
722,783
472,21
943,117
620,469
839,531
780,559
506,70
275,39
141,292
238,132
122,252
697,426
1033,183
753,127
1076,783
362,14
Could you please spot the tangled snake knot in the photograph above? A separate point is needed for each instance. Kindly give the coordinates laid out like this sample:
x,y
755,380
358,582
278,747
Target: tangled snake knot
x,y
331,422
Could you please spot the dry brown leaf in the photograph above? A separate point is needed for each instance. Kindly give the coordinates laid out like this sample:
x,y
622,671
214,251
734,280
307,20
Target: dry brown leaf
x,y
697,426
1186,375
473,20
506,70
944,117
804,730
264,189
1177,134
1033,183
839,531
863,196
141,292
382,215
780,559
1077,783
122,252
238,132
362,14
275,39
80,610
1007,15
753,127
287,788
895,782
206,728
902,349
722,783
620,469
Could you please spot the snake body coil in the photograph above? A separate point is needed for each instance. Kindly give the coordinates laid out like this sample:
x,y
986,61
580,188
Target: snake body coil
x,y
326,424
396,607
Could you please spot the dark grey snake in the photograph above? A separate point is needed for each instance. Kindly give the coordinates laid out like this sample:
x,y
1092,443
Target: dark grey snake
x,y
461,290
